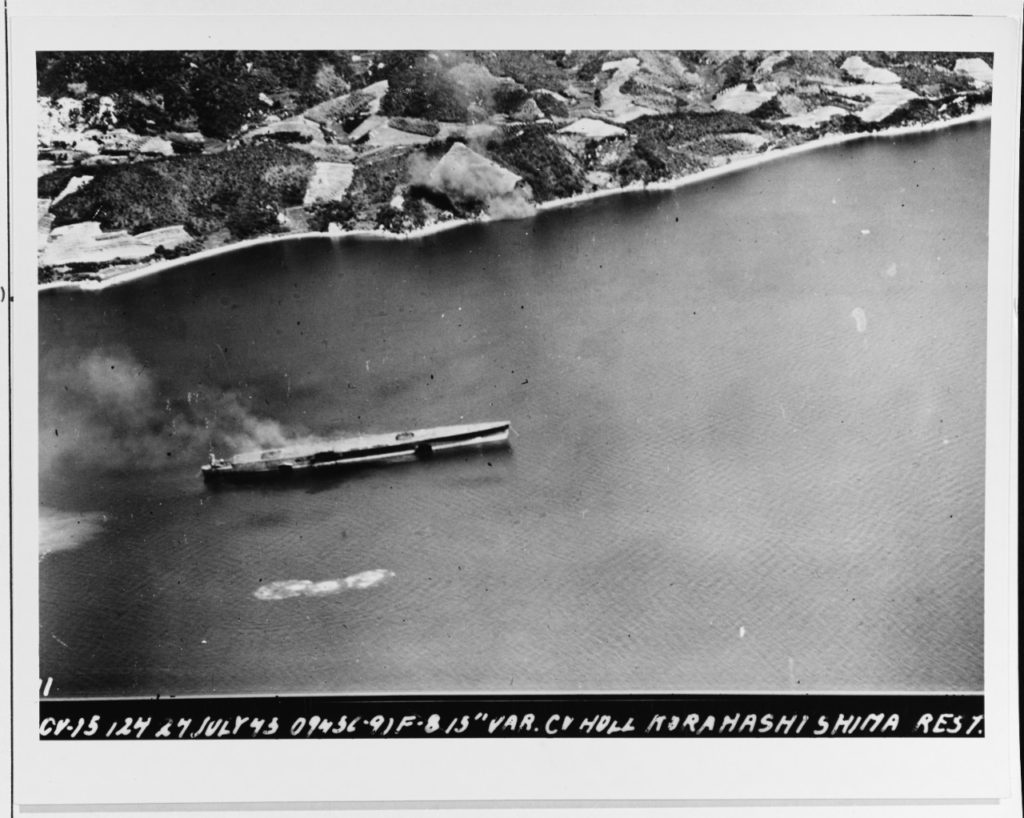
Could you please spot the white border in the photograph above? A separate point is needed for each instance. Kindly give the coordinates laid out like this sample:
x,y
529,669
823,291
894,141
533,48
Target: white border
x,y
493,770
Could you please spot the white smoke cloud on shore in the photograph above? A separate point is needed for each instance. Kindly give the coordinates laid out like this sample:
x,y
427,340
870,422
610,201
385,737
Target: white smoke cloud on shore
x,y
514,205
420,169
478,180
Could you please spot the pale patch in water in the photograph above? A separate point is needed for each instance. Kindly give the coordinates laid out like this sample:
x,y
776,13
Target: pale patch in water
x,y
891,270
861,318
289,588
63,530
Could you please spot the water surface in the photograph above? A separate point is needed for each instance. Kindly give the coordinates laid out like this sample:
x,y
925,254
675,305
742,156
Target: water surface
x,y
748,448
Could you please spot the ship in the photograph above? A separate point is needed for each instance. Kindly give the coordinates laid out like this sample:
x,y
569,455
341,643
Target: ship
x,y
354,451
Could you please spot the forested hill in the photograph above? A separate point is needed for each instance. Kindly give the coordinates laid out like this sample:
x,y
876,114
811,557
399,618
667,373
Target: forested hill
x,y
188,150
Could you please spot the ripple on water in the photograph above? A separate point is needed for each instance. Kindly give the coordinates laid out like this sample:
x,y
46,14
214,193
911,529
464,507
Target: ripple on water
x,y
706,442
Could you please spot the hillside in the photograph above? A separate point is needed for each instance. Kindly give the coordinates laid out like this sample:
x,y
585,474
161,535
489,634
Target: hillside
x,y
149,155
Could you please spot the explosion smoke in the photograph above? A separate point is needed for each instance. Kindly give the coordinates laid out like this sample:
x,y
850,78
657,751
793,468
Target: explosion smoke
x,y
110,411
464,175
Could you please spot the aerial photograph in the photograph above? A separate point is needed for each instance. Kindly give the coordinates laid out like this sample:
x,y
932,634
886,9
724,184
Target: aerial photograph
x,y
506,372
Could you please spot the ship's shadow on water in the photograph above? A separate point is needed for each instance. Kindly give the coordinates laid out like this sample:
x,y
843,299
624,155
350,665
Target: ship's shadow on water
x,y
442,466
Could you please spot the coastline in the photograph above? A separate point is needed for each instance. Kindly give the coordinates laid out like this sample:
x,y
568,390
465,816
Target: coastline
x,y
734,164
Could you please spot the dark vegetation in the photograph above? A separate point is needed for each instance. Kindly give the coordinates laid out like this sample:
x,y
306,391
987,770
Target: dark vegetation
x,y
438,199
412,216
52,183
346,112
551,106
717,146
591,64
322,214
734,71
531,69
213,91
675,144
509,97
544,165
419,87
377,179
917,111
771,109
686,126
920,78
422,127
439,147
812,65
242,190
186,249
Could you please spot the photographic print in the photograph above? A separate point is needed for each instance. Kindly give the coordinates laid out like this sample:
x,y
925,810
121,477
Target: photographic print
x,y
680,356
380,378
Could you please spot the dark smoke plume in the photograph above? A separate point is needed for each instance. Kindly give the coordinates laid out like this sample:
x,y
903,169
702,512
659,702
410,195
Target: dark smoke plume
x,y
107,410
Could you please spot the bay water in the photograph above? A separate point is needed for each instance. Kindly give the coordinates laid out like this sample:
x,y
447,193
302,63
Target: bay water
x,y
748,448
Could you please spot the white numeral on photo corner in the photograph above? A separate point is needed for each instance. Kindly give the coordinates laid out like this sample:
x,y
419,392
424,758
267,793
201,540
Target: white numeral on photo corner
x,y
44,686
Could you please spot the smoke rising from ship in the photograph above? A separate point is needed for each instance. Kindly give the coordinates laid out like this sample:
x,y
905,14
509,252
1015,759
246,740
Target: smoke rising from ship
x,y
108,408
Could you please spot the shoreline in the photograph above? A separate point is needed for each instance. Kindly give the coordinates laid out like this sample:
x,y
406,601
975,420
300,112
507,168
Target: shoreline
x,y
734,164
